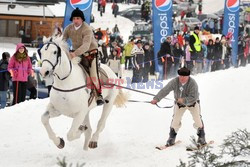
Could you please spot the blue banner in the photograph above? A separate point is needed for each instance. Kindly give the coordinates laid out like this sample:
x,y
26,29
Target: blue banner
x,y
231,25
162,24
84,5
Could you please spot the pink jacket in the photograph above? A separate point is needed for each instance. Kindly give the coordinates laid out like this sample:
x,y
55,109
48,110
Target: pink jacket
x,y
21,70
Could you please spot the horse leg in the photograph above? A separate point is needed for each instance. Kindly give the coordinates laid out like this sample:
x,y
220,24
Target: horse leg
x,y
75,130
101,124
51,113
87,132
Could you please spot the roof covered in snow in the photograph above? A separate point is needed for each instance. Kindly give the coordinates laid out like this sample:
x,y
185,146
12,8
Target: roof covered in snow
x,y
56,10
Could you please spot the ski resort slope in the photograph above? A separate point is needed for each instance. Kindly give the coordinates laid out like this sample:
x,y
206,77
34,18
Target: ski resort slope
x,y
131,133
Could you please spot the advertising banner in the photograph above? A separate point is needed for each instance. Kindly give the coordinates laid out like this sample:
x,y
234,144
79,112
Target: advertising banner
x,y
162,24
231,25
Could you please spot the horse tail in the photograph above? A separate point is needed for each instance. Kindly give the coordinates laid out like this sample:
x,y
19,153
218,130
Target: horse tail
x,y
121,99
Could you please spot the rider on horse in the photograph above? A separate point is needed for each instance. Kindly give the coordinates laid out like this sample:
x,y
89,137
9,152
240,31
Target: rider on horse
x,y
84,45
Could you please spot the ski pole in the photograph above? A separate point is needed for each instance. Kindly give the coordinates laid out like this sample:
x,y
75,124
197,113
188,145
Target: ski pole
x,y
16,91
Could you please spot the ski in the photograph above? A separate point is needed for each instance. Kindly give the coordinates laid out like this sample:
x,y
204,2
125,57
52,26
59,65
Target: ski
x,y
165,147
193,148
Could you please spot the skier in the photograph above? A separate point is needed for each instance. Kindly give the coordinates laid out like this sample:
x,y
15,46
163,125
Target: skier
x,y
186,98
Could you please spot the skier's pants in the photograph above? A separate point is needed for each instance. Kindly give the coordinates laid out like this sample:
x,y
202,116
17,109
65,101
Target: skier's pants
x,y
179,111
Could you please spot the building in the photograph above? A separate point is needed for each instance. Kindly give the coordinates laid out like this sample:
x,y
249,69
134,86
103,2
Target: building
x,y
27,22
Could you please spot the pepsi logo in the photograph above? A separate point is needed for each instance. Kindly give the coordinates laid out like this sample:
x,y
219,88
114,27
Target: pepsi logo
x,y
233,5
81,4
163,5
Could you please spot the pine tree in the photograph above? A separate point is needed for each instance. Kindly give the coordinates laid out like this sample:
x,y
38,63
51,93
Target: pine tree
x,y
237,145
63,163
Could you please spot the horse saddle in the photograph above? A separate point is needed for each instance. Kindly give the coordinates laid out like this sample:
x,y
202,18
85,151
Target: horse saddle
x,y
103,78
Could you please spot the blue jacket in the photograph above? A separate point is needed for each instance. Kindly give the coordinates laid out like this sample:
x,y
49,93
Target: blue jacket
x,y
4,75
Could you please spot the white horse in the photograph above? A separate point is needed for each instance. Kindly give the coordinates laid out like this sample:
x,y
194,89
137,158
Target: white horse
x,y
69,94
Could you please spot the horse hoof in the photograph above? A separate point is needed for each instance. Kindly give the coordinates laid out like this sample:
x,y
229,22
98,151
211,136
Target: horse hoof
x,y
62,144
92,144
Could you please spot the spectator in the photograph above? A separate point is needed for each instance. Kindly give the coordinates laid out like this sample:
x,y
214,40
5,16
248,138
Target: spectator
x,y
116,29
217,61
187,59
200,59
127,52
209,58
211,25
115,9
180,39
145,11
138,62
241,56
31,86
178,53
195,45
102,48
98,34
165,59
4,79
227,59
103,6
147,62
114,62
152,68
40,41
20,67
183,13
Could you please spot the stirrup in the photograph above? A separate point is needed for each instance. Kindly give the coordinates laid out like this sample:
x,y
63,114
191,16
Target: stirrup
x,y
99,100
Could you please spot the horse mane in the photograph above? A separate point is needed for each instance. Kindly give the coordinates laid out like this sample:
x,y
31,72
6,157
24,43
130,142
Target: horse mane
x,y
64,47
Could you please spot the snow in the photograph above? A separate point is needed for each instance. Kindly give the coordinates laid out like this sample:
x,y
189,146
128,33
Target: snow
x,y
131,133
26,10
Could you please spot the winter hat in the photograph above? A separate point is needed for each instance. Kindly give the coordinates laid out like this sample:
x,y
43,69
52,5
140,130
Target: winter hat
x,y
184,71
77,13
5,55
196,28
138,41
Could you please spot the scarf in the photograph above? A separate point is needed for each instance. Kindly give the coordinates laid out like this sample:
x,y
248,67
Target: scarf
x,y
21,56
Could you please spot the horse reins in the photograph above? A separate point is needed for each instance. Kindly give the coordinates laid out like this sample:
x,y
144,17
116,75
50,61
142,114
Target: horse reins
x,y
112,85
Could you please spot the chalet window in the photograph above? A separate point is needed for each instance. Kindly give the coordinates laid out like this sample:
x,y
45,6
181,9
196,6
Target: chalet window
x,y
3,28
9,28
13,28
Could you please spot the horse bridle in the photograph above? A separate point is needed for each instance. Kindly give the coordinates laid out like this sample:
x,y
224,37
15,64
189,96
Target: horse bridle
x,y
59,55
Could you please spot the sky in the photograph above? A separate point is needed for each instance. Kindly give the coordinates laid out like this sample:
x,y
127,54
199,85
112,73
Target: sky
x,y
131,133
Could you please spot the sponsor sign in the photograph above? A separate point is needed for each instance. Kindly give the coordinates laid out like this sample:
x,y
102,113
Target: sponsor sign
x,y
231,25
162,24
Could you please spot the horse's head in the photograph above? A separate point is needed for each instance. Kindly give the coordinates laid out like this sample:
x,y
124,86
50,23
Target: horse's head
x,y
50,55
